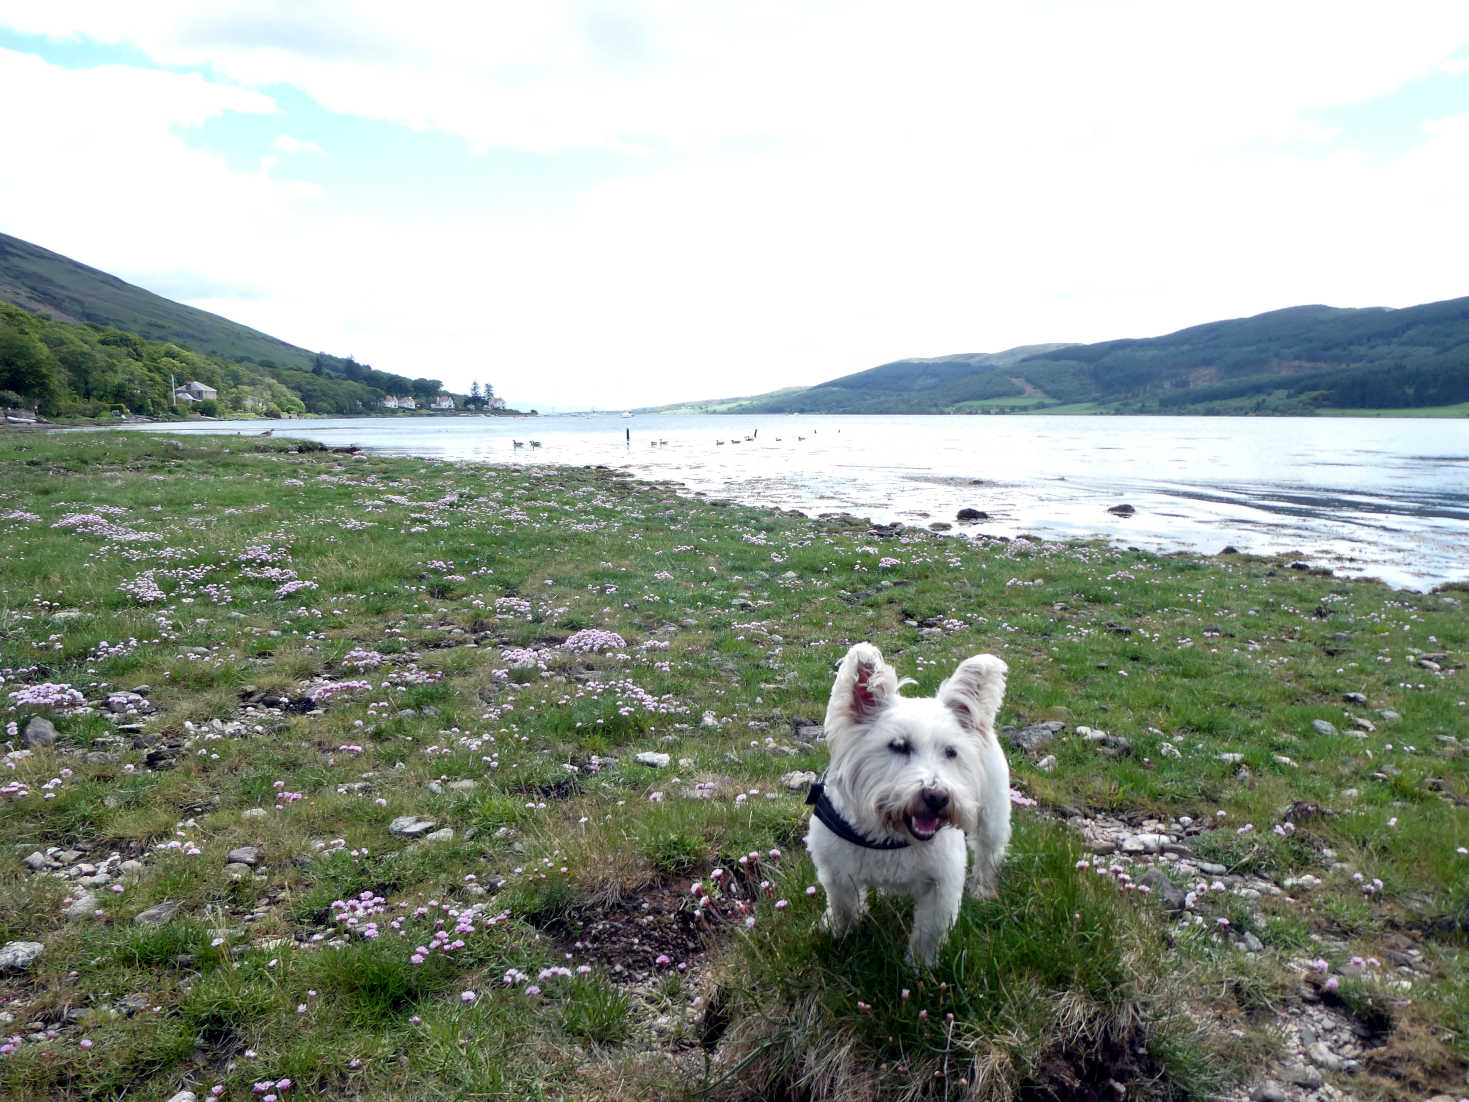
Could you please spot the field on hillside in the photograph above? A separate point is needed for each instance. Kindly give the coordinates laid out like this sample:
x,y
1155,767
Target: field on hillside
x,y
338,776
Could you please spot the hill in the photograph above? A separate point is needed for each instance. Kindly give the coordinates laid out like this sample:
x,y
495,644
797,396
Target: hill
x,y
1298,360
77,341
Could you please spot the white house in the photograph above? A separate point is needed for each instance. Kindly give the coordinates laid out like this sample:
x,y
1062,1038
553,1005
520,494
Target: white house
x,y
407,402
194,392
443,401
497,402
389,402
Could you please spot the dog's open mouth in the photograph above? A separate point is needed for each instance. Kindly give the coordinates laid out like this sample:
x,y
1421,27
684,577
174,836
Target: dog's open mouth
x,y
923,825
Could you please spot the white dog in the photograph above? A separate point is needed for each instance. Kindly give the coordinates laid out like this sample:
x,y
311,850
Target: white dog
x,y
909,782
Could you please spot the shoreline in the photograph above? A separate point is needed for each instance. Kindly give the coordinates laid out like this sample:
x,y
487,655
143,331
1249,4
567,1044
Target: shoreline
x,y
553,699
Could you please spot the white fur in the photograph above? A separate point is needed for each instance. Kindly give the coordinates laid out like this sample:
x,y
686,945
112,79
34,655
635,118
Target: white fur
x,y
892,759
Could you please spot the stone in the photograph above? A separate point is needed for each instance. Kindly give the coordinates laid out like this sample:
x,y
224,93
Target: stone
x,y
1268,1090
238,870
466,785
1168,750
1047,764
244,855
1302,1075
1252,943
411,826
1156,881
968,514
1355,698
185,1096
20,956
798,780
1143,843
157,915
39,732
1034,738
653,758
254,813
1321,727
35,861
446,834
1323,1057
1122,510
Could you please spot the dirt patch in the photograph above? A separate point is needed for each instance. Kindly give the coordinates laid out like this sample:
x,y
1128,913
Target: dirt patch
x,y
629,937
1099,1070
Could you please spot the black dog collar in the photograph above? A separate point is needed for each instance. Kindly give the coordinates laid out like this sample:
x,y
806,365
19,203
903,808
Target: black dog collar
x,y
831,818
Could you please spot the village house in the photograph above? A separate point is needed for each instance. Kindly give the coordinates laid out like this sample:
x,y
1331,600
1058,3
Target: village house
x,y
194,392
407,402
389,402
443,401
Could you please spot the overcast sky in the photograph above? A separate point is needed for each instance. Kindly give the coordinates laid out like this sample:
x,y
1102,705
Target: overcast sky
x,y
617,204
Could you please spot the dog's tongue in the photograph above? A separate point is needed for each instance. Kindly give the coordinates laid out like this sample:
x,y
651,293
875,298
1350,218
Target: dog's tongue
x,y
925,825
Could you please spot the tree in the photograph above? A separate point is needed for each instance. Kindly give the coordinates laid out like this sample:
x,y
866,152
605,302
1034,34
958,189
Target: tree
x,y
474,390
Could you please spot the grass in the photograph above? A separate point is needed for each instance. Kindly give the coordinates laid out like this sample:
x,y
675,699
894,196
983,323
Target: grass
x,y
443,599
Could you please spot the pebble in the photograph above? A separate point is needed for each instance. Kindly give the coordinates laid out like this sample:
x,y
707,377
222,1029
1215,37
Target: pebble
x,y
1269,1091
244,855
185,1096
1323,1057
20,956
157,915
444,835
40,731
82,906
798,779
653,758
1047,764
411,826
1321,727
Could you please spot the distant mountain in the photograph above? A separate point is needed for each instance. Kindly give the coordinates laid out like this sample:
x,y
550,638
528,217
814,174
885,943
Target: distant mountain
x,y
1299,360
77,341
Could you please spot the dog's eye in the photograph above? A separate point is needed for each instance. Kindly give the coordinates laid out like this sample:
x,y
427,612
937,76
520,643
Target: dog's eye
x,y
950,752
900,746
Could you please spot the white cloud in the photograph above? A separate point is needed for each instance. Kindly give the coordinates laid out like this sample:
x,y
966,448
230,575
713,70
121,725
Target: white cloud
x,y
287,144
832,185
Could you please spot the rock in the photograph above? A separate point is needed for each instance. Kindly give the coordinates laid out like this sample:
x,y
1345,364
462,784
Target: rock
x,y
20,956
185,1096
466,785
1302,1076
244,855
968,514
798,780
807,732
1172,896
1323,1057
708,719
1269,1090
1252,943
157,915
254,813
444,835
1143,843
1229,549
35,861
237,870
1047,764
1168,750
39,732
1321,727
653,758
411,826
1033,739
1355,698
1122,510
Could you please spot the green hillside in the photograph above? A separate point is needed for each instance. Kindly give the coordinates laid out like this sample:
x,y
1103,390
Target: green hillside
x,y
75,341
1299,360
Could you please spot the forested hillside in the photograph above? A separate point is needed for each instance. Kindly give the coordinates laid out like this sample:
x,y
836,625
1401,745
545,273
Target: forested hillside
x,y
1297,360
75,341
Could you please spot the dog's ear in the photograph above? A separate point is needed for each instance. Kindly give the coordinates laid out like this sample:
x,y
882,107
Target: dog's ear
x,y
974,692
863,687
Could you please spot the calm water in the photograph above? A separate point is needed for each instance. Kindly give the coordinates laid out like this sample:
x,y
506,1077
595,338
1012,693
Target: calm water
x,y
1385,498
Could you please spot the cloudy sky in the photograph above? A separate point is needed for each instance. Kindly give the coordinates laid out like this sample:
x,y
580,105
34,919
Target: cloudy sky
x,y
614,204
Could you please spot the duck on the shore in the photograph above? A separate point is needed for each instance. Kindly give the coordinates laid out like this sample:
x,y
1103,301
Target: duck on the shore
x,y
518,443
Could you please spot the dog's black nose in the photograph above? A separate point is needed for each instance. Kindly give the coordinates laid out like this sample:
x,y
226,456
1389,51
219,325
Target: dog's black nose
x,y
936,798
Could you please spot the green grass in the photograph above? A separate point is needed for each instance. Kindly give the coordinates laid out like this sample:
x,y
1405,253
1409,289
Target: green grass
x,y
568,853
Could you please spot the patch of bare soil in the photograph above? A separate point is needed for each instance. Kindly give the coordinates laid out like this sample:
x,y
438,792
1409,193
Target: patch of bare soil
x,y
630,936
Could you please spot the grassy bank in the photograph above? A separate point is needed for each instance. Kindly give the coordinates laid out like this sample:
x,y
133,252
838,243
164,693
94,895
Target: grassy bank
x,y
345,790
